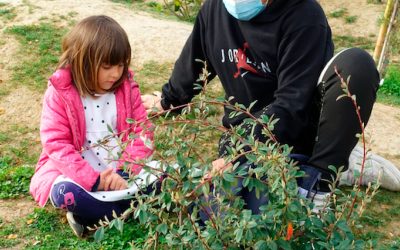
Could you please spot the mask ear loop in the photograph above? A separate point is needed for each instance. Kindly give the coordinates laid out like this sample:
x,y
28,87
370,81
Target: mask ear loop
x,y
266,3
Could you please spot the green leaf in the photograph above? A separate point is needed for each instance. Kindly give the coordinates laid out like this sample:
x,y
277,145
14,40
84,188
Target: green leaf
x,y
99,234
162,228
188,238
119,225
251,224
261,245
109,128
148,143
284,244
229,177
252,105
246,181
323,244
142,215
130,120
265,119
342,225
246,214
251,158
238,234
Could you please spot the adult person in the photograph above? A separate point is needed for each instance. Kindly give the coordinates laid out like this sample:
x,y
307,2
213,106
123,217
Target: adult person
x,y
274,52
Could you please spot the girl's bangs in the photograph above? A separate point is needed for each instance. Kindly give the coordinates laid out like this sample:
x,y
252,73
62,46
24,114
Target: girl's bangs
x,y
118,52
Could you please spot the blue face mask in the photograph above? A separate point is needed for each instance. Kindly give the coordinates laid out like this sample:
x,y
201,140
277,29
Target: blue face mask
x,y
244,10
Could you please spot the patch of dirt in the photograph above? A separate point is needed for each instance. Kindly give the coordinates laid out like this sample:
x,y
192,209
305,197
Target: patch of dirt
x,y
8,48
367,22
21,107
383,131
151,39
20,208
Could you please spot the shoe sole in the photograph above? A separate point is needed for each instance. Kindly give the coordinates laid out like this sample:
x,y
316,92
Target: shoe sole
x,y
77,228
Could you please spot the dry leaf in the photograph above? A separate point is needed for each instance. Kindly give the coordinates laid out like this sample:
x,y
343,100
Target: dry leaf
x,y
12,236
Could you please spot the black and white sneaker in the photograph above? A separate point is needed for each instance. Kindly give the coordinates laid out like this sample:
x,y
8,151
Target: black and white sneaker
x,y
309,188
76,227
376,170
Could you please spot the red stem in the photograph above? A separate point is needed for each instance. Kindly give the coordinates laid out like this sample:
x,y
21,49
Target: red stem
x,y
348,93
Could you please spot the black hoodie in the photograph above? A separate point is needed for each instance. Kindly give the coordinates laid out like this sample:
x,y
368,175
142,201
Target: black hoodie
x,y
275,58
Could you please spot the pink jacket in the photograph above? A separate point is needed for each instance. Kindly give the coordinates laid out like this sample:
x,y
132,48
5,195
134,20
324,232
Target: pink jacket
x,y
63,131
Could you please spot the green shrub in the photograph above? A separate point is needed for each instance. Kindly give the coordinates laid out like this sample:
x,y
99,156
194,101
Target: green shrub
x,y
184,9
172,215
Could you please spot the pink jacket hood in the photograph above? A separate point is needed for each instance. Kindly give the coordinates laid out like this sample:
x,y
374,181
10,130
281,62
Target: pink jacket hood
x,y
63,130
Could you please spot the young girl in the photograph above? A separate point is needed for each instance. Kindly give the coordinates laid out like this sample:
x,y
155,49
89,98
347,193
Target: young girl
x,y
86,107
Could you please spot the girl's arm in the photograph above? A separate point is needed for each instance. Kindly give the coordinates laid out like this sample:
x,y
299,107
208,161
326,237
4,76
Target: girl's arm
x,y
58,141
142,130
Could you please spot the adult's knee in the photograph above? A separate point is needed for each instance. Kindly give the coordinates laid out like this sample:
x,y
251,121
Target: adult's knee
x,y
356,66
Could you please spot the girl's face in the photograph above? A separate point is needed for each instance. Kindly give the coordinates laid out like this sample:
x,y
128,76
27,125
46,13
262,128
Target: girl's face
x,y
107,76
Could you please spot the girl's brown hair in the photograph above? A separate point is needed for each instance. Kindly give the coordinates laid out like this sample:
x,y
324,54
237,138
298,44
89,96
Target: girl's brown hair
x,y
94,41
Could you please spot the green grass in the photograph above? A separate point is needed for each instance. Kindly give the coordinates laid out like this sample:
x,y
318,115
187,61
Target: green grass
x,y
4,92
343,14
350,19
351,41
389,92
6,234
152,75
375,1
15,144
41,47
47,229
379,219
391,85
388,99
4,137
338,13
14,180
7,14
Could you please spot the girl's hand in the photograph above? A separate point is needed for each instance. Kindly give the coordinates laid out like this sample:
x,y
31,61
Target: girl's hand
x,y
109,180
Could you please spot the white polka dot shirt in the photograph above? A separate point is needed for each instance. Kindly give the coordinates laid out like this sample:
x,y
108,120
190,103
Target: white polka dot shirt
x,y
101,147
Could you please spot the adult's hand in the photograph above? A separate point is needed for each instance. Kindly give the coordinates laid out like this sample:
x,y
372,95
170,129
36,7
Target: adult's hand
x,y
218,168
152,101
109,180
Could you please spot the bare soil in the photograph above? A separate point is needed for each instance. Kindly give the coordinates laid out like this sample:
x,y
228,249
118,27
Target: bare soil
x,y
161,40
367,17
